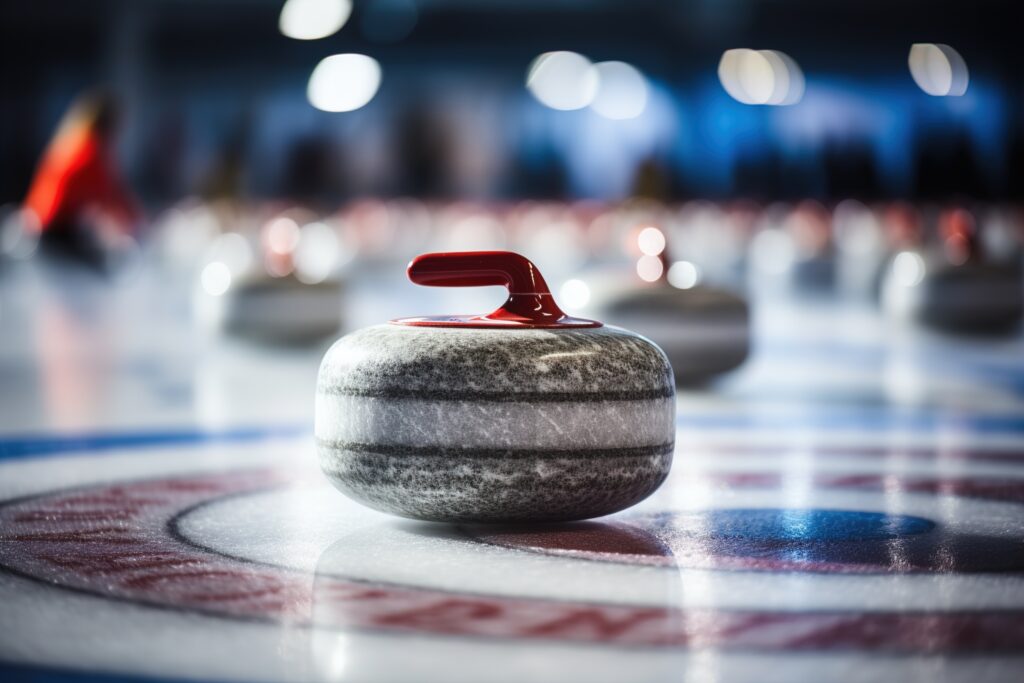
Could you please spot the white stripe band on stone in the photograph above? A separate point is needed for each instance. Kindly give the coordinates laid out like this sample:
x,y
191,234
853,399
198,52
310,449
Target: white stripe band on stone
x,y
485,424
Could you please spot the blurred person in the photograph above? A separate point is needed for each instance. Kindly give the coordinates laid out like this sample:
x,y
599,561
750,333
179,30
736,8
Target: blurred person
x,y
652,180
424,147
225,180
312,175
77,202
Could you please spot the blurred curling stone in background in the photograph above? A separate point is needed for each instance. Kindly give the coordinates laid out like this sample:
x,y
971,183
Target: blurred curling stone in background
x,y
957,285
704,330
284,287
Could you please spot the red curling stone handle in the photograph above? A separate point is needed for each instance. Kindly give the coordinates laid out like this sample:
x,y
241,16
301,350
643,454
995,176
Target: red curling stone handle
x,y
478,269
529,304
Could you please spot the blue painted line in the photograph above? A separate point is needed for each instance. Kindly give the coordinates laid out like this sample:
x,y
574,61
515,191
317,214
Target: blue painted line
x,y
34,445
19,673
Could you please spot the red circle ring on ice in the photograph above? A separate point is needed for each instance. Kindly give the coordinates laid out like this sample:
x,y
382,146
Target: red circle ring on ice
x,y
530,303
122,542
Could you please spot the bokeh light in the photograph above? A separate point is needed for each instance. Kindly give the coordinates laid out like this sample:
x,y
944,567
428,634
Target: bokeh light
x,y
938,69
908,269
281,235
317,253
574,294
651,241
562,80
649,268
233,250
313,19
683,275
761,76
216,278
788,78
344,82
958,231
621,91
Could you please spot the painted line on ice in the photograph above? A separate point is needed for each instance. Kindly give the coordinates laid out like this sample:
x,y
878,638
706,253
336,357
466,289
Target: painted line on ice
x,y
16,447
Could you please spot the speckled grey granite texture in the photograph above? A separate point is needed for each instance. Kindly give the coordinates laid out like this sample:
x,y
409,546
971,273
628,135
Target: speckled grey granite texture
x,y
490,425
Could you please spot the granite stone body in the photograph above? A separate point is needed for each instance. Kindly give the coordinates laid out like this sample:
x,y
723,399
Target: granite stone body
x,y
495,425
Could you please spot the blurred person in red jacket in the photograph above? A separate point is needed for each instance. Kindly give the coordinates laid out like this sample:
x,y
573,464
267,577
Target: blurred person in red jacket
x,y
77,203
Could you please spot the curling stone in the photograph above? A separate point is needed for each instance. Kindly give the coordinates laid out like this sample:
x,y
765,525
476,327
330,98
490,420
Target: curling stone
x,y
704,330
968,298
974,298
521,415
281,310
958,288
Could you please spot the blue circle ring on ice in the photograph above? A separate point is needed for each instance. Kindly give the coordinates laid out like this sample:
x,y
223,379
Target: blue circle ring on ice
x,y
772,540
807,525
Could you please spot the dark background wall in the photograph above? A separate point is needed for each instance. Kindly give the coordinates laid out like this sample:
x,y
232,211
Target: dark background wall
x,y
211,88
